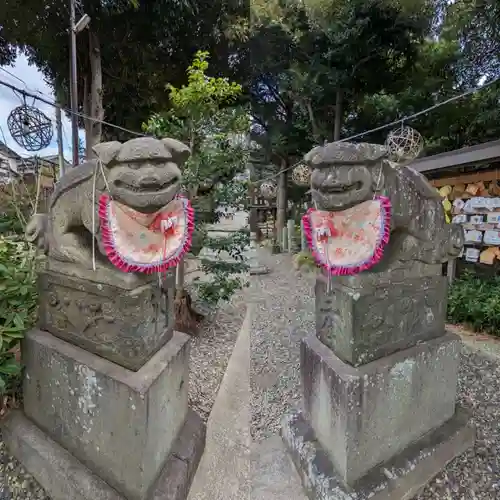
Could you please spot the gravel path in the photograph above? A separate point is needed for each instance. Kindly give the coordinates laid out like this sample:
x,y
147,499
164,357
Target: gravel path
x,y
285,313
476,474
210,353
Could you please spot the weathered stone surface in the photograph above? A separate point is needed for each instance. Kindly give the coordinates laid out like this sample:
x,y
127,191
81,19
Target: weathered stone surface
x,y
59,472
120,424
142,174
364,416
400,478
346,174
255,267
64,477
123,326
381,373
361,325
175,480
187,446
175,486
396,272
103,276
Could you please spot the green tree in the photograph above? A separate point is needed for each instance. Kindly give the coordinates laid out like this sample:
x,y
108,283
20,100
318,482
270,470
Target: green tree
x,y
475,24
124,56
443,68
204,114
7,52
310,63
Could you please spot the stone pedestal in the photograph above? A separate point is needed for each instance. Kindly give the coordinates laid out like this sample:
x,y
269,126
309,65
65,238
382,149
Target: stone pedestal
x,y
123,320
400,478
379,389
106,390
94,430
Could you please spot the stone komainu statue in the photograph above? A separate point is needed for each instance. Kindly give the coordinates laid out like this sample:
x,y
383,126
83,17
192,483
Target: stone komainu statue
x,y
346,174
143,174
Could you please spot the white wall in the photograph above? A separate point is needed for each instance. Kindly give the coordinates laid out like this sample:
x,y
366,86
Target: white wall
x,y
7,165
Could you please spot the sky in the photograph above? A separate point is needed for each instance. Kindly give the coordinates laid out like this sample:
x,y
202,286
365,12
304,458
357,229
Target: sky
x,y
29,78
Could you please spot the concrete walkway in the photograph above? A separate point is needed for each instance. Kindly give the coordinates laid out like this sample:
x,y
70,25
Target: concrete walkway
x,y
224,471
232,467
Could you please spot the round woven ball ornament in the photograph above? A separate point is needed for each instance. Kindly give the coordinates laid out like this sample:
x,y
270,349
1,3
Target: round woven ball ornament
x,y
404,144
301,175
268,190
30,128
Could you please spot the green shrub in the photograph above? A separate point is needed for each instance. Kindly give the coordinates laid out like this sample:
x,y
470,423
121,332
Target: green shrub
x,y
304,261
475,301
18,304
15,207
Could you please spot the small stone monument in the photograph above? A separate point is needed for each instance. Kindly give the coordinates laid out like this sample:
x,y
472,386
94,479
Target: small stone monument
x,y
255,267
379,377
105,411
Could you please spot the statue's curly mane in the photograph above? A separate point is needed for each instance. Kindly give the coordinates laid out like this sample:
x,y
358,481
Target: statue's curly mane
x,y
72,178
419,182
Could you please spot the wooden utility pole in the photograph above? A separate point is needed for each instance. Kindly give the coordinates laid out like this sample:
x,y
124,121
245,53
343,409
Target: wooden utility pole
x,y
282,200
60,149
338,114
74,28
73,85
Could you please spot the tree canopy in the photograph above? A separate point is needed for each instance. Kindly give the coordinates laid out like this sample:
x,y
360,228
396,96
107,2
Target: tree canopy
x,y
7,51
321,70
140,44
311,70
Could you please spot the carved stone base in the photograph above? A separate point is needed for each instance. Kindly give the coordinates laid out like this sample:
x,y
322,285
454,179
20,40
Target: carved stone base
x,y
120,424
64,477
400,478
126,326
364,324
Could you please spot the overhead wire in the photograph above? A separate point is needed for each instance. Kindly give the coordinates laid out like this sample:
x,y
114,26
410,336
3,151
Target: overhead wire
x,y
23,92
400,121
392,124
39,92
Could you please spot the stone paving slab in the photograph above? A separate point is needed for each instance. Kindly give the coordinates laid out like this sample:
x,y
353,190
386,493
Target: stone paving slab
x,y
273,474
486,345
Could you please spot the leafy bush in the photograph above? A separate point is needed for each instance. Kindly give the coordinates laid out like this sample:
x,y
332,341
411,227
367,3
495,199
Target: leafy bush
x,y
18,304
304,261
15,208
475,301
206,114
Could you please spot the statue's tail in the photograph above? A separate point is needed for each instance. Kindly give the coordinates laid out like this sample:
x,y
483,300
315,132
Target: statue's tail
x,y
36,231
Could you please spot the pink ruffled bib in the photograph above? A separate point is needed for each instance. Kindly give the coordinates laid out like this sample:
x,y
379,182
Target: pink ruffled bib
x,y
147,243
352,240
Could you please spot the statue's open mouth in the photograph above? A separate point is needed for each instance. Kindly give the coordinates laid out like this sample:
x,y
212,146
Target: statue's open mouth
x,y
147,187
340,188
